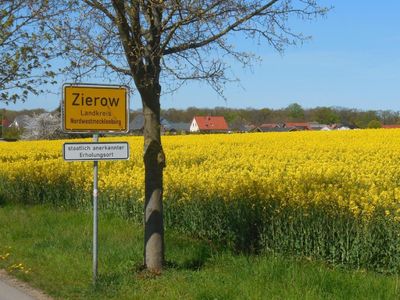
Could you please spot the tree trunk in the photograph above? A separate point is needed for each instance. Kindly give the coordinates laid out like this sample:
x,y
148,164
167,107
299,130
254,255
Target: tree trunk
x,y
154,162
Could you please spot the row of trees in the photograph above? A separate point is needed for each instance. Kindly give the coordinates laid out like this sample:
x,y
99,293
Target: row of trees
x,y
147,44
239,117
236,118
293,113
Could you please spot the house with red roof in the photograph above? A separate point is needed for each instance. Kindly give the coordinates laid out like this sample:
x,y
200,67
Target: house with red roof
x,y
394,126
269,125
209,124
4,123
298,125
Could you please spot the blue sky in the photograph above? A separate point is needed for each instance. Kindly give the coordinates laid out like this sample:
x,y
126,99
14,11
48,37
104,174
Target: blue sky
x,y
353,60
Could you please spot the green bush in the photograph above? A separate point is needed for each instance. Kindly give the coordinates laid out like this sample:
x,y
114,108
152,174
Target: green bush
x,y
11,133
374,124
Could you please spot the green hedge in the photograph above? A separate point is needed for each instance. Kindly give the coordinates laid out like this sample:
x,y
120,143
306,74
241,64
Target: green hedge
x,y
253,226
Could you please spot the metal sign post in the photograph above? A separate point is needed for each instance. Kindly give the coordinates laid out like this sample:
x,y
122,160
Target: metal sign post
x,y
95,195
96,109
95,152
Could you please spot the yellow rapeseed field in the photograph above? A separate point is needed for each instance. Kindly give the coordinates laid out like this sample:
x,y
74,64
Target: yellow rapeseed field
x,y
329,195
358,170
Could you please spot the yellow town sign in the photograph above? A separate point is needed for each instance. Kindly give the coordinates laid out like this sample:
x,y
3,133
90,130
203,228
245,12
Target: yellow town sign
x,y
95,108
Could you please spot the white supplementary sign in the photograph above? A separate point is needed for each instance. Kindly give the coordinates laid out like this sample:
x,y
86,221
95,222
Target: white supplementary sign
x,y
95,151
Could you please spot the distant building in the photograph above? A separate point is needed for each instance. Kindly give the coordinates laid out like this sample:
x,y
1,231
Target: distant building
x,y
394,126
326,128
318,126
278,129
21,122
270,125
4,123
209,124
248,128
179,127
137,124
298,125
242,128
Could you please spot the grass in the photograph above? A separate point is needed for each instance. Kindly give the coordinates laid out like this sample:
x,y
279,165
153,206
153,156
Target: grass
x,y
51,249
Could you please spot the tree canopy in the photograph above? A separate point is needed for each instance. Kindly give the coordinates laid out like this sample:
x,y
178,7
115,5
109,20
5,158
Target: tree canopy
x,y
175,40
25,49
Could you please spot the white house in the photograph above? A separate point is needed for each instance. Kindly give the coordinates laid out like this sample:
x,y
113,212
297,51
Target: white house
x,y
194,127
209,124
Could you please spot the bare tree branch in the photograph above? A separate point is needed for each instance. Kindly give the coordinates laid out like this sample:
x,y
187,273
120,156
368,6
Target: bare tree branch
x,y
220,34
